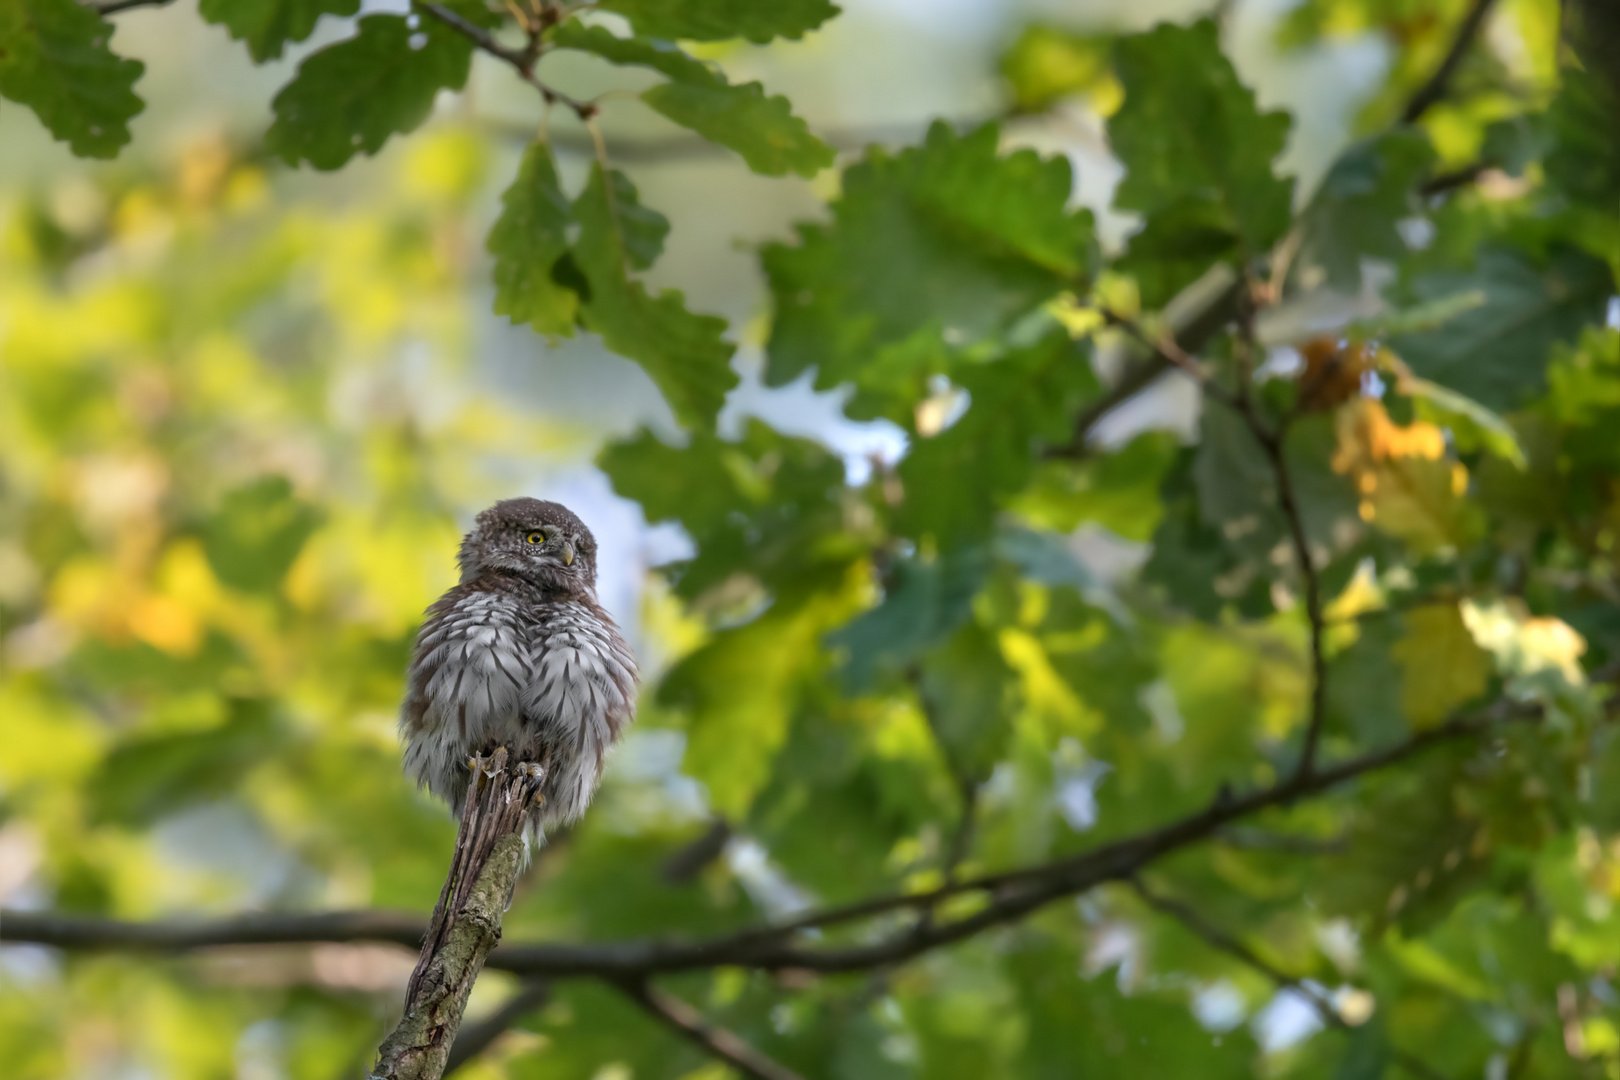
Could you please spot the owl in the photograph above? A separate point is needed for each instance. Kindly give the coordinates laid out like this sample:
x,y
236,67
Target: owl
x,y
520,655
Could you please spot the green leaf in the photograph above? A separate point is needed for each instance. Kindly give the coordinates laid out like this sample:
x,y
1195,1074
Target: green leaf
x,y
762,129
1497,354
684,353
1410,320
768,505
1412,875
955,481
1364,685
719,20
1442,668
737,690
966,686
1118,490
1584,160
149,776
924,602
660,56
948,238
1047,64
1370,188
1193,141
527,240
1472,422
54,59
266,27
257,534
1368,1055
351,97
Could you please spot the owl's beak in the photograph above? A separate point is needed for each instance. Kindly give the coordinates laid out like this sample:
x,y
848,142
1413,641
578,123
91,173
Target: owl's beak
x,y
568,553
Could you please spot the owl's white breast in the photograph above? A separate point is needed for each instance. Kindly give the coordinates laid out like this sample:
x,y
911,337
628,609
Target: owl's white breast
x,y
466,684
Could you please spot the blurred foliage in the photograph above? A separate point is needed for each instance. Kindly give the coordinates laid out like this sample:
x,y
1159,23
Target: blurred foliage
x,y
237,428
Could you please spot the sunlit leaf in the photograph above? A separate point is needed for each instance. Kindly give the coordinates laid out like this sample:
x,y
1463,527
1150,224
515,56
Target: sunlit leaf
x,y
1441,666
947,237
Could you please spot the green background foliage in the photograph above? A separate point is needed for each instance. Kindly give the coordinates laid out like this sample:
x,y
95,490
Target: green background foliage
x,y
242,421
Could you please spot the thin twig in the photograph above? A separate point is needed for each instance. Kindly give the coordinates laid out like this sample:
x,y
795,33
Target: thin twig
x,y
693,1025
1226,943
1273,441
1220,940
1193,334
113,7
1435,88
474,1039
1166,348
521,60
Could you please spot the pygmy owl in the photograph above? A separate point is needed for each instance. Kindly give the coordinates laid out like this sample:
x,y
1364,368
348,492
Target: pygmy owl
x,y
520,655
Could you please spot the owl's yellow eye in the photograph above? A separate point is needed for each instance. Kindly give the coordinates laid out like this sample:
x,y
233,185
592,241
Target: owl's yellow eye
x,y
536,537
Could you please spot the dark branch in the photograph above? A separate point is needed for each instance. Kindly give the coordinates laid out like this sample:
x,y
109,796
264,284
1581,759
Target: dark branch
x,y
1221,941
1288,502
521,60
1012,895
113,7
693,1025
474,1039
1193,335
1435,89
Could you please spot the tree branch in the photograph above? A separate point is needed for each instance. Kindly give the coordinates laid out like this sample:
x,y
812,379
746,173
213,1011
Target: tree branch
x,y
521,60
466,922
693,1025
1012,895
1435,89
1221,941
1193,335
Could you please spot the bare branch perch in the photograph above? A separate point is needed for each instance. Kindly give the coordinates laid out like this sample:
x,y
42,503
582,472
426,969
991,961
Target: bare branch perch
x,y
693,1025
466,922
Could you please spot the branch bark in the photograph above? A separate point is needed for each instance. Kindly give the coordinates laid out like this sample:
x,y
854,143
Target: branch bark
x,y
474,1039
466,922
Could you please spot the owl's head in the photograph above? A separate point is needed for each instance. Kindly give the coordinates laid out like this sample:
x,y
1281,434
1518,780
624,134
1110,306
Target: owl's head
x,y
541,542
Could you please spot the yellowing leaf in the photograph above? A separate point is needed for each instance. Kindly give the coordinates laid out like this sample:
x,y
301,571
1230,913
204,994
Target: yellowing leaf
x,y
1406,484
1441,666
